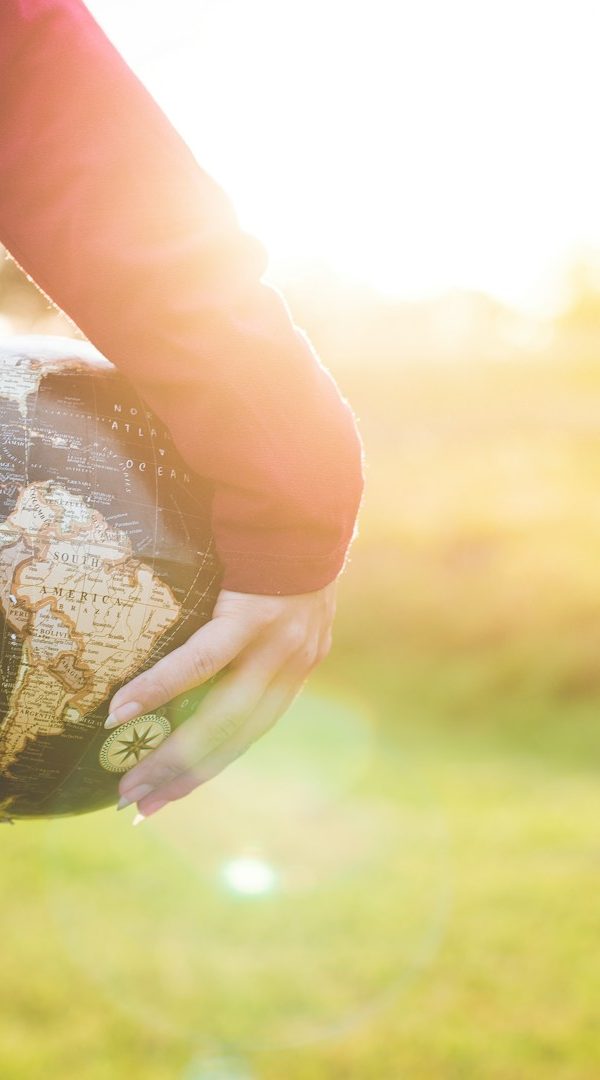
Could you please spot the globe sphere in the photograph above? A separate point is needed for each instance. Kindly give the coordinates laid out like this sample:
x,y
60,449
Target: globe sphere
x,y
107,563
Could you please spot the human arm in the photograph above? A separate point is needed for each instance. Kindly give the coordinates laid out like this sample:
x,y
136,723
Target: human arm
x,y
103,204
105,207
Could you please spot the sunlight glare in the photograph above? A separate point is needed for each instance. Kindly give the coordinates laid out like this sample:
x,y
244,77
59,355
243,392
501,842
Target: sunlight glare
x,y
417,147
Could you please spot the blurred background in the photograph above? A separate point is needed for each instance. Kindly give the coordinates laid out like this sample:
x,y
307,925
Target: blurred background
x,y
425,177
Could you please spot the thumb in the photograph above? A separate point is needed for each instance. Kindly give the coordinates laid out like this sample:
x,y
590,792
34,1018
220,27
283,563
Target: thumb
x,y
204,654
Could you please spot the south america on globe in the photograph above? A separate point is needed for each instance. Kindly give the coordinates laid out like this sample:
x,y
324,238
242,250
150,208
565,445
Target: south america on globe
x,y
107,563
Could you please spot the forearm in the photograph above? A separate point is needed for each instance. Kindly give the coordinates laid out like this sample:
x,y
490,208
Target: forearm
x,y
105,207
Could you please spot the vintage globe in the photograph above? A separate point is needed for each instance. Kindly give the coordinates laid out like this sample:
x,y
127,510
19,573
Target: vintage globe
x,y
106,564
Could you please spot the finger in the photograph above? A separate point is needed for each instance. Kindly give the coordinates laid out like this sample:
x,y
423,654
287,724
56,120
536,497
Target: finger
x,y
275,702
225,708
202,656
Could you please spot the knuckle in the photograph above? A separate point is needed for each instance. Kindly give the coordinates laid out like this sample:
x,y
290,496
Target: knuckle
x,y
202,665
154,684
222,729
227,726
165,771
309,657
313,652
294,635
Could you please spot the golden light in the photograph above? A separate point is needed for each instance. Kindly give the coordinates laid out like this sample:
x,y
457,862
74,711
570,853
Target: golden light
x,y
415,146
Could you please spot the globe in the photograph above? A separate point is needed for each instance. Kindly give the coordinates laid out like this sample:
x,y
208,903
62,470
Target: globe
x,y
107,563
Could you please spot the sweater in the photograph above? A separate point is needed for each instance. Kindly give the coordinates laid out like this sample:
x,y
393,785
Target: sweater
x,y
105,207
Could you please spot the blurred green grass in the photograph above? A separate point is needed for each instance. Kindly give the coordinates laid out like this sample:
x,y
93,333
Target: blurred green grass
x,y
469,621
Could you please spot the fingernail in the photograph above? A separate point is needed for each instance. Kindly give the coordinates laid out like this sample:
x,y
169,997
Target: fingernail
x,y
134,795
150,810
123,713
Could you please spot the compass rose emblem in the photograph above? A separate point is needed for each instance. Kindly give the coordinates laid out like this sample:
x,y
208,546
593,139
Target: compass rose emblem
x,y
132,741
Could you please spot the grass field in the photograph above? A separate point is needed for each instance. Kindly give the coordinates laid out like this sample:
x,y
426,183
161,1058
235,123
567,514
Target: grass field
x,y
430,807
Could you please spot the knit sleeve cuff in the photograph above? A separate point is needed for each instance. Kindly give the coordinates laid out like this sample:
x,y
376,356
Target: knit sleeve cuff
x,y
281,575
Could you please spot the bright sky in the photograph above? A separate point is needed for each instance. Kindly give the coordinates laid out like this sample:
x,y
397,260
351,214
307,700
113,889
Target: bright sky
x,y
417,146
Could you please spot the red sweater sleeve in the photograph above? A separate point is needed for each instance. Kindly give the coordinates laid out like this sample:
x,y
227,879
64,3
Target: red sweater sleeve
x,y
103,204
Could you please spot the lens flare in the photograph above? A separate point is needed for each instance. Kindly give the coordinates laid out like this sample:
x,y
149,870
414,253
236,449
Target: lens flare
x,y
249,876
282,904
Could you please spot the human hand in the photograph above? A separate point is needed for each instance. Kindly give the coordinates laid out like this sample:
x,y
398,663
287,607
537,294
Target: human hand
x,y
269,645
